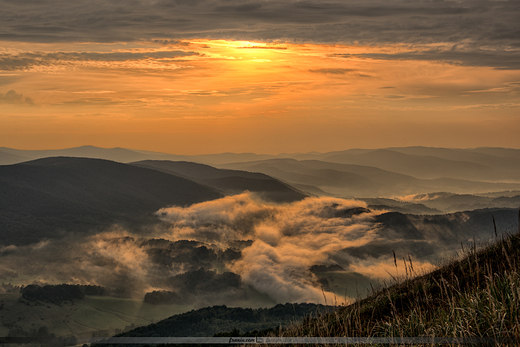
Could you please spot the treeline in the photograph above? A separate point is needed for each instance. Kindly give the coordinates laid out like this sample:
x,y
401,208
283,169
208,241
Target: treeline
x,y
41,337
60,292
162,297
209,321
190,286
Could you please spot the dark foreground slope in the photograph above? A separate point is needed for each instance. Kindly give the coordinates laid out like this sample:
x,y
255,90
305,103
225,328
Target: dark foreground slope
x,y
229,181
477,296
40,198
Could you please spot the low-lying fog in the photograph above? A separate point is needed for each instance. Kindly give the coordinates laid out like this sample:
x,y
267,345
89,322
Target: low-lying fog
x,y
226,250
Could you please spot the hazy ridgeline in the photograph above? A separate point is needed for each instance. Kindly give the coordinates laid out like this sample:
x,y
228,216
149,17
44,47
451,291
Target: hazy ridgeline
x,y
177,234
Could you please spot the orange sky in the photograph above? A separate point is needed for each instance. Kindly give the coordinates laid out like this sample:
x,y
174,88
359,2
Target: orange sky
x,y
207,96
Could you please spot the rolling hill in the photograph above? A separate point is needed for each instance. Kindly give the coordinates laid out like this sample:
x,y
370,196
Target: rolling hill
x,y
124,155
211,320
228,181
40,198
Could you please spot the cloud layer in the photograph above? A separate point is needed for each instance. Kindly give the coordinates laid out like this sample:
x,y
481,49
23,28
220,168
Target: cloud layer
x,y
489,29
218,251
287,239
238,248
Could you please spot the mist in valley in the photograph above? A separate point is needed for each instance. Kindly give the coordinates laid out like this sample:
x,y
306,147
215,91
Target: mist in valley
x,y
199,244
240,248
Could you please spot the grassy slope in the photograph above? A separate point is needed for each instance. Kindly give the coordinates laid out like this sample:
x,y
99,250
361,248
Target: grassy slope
x,y
478,295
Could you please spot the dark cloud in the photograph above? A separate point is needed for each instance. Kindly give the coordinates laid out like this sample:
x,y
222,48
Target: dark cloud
x,y
466,57
12,97
332,71
102,20
264,47
26,60
92,101
167,42
492,27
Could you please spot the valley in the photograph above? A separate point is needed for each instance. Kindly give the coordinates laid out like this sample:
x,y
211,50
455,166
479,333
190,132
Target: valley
x,y
163,237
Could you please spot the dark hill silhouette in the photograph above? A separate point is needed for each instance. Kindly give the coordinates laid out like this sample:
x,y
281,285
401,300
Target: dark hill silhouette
x,y
122,155
228,181
41,197
208,321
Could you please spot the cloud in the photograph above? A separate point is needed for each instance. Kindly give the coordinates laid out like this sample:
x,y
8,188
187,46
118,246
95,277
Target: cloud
x,y
12,97
216,252
332,71
467,57
393,20
286,239
269,248
32,60
491,26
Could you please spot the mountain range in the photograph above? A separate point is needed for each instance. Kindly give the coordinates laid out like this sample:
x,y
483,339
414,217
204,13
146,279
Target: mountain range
x,y
366,173
213,244
44,197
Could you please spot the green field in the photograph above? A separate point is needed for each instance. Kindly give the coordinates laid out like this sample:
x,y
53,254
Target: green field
x,y
94,314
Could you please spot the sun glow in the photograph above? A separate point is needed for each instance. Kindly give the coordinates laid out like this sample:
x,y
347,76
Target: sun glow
x,y
167,95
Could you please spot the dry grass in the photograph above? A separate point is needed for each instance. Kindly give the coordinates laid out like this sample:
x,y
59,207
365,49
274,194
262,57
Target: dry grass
x,y
475,296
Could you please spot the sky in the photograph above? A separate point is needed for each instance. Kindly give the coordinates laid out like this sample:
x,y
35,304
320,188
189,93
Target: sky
x,y
211,76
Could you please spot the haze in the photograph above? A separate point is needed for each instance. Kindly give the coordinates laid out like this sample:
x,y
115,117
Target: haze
x,y
193,77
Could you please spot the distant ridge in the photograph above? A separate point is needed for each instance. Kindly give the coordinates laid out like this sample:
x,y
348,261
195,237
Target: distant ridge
x,y
229,181
362,181
123,155
39,198
118,154
362,173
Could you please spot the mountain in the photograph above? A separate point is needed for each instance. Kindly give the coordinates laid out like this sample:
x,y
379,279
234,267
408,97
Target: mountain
x,y
121,155
39,198
354,180
449,202
228,181
399,206
366,173
420,166
9,158
488,164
